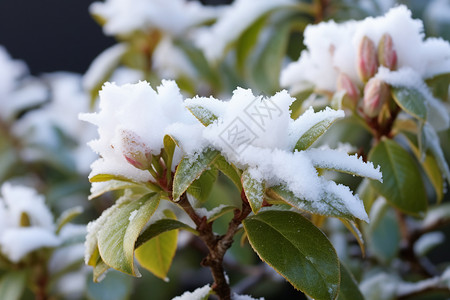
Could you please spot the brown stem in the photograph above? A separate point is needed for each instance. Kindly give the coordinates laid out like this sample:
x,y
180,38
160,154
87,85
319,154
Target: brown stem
x,y
217,245
41,283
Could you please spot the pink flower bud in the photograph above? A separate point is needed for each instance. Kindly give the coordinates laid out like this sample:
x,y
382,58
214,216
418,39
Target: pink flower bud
x,y
376,93
135,151
367,59
344,83
387,55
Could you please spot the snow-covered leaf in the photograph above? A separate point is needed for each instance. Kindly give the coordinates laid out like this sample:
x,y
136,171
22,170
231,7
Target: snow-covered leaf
x,y
402,183
117,237
254,190
412,101
342,162
156,254
204,115
189,169
297,250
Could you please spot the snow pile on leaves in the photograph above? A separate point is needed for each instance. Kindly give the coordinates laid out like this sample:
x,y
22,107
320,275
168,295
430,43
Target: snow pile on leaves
x,y
258,135
132,122
26,224
122,17
333,49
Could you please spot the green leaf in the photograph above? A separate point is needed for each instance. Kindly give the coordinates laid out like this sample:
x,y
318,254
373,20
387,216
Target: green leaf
x,y
99,271
411,101
429,165
329,206
113,185
353,228
297,250
156,254
169,150
115,286
434,145
202,187
402,184
12,285
383,235
229,170
160,227
189,169
247,41
254,191
118,235
312,134
439,86
266,68
349,289
204,115
67,216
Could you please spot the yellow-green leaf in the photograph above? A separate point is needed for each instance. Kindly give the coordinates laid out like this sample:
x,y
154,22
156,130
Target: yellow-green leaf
x,y
118,235
156,255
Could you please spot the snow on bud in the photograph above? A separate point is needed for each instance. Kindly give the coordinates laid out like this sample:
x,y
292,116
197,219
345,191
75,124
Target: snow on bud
x,y
367,59
387,56
376,93
135,151
344,83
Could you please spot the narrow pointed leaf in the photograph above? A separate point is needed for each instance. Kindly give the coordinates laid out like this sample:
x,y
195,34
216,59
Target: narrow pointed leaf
x,y
349,289
402,183
156,254
254,191
312,134
297,250
189,169
99,271
229,170
169,150
12,285
162,226
411,101
118,235
353,228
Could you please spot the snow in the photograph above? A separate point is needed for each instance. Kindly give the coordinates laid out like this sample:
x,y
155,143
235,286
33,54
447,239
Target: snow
x,y
198,294
169,61
123,17
17,240
102,64
428,241
135,114
332,48
244,297
232,23
257,134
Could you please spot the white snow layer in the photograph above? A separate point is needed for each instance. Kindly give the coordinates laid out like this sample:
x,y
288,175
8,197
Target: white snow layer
x,y
134,118
232,23
174,17
16,241
198,294
332,48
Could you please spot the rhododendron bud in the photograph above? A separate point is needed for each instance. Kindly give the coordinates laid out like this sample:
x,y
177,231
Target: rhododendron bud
x,y
344,83
387,56
376,93
367,59
135,151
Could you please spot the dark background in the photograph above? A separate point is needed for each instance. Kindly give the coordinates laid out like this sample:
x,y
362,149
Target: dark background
x,y
53,35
